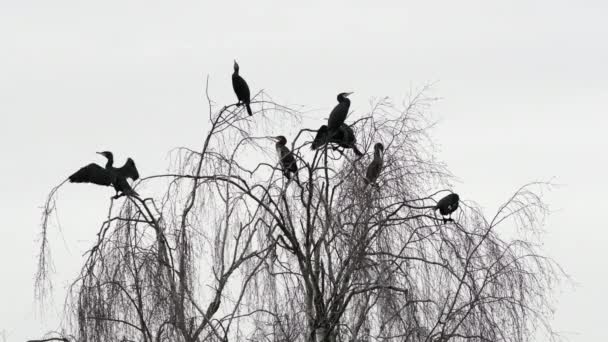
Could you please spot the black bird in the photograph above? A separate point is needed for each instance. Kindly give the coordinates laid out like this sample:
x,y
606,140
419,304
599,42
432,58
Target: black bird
x,y
447,206
345,137
286,158
338,114
375,167
117,177
241,89
320,138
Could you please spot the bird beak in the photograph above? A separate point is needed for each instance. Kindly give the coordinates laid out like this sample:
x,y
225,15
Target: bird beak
x,y
348,94
99,153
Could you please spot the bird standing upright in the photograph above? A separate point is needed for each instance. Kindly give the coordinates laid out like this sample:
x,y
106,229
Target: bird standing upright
x,y
241,89
339,113
286,158
375,167
109,175
447,206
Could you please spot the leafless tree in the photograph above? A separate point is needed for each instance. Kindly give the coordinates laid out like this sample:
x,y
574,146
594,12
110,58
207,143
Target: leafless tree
x,y
232,250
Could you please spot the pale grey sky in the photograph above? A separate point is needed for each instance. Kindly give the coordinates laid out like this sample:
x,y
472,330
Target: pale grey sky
x,y
524,88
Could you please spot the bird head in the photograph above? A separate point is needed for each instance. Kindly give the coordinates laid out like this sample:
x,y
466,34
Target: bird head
x,y
343,96
106,154
281,140
236,66
379,149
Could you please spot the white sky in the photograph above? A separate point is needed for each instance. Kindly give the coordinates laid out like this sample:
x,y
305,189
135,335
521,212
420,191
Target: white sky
x,y
524,88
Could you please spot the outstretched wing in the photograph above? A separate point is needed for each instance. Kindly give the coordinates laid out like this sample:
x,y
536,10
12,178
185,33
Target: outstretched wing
x,y
123,186
92,173
129,170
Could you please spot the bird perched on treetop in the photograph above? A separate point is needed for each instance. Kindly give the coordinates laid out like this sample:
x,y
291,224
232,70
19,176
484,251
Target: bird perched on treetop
x,y
117,177
286,158
241,89
375,167
343,137
447,206
321,138
339,113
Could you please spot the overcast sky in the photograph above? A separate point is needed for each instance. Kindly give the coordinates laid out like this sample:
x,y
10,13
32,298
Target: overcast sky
x,y
524,88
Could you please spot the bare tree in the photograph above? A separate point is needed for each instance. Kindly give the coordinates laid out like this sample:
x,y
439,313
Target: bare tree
x,y
232,250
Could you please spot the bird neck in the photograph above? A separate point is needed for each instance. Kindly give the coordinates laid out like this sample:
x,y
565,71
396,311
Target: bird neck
x,y
377,154
110,162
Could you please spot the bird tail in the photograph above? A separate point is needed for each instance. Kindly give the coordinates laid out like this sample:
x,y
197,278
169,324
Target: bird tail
x,y
248,109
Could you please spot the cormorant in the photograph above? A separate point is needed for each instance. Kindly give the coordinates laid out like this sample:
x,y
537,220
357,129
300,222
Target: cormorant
x,y
320,138
286,158
345,137
338,114
447,206
117,177
241,89
375,167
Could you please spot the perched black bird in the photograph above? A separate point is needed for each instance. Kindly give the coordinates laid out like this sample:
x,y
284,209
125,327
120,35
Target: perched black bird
x,y
286,158
241,89
375,167
338,114
117,177
128,170
345,137
447,206
320,138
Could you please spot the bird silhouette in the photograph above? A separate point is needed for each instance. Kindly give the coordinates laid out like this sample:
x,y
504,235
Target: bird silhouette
x,y
375,167
110,175
286,158
241,89
321,138
339,113
447,206
345,137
